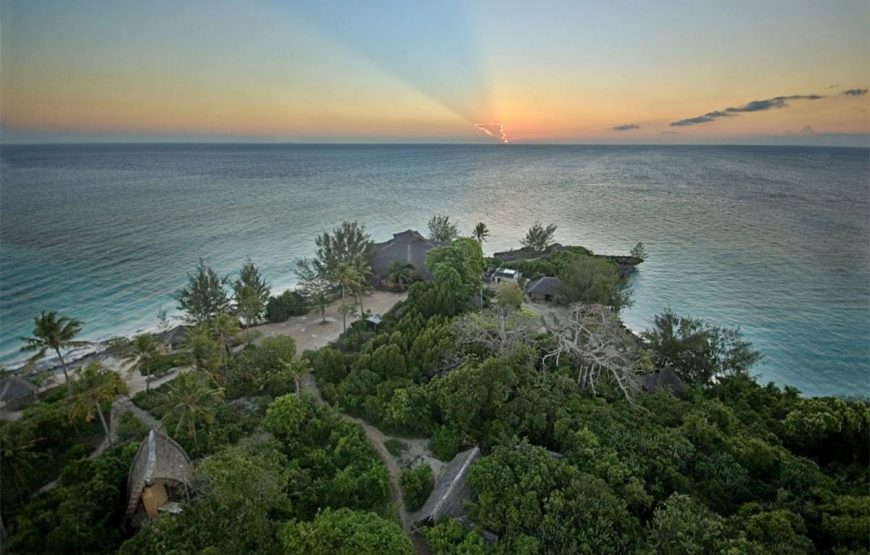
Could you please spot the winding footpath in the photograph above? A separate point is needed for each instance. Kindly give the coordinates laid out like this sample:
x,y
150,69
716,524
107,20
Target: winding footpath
x,y
376,439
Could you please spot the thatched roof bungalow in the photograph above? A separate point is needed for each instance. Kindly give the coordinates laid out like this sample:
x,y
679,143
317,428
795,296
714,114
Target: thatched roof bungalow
x,y
176,338
447,499
17,393
159,463
665,378
546,288
408,247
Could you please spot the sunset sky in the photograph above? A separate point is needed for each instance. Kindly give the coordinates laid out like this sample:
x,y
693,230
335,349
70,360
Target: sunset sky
x,y
779,72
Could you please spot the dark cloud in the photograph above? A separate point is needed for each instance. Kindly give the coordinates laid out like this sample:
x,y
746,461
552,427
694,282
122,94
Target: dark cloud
x,y
626,127
855,92
494,130
754,106
670,132
834,86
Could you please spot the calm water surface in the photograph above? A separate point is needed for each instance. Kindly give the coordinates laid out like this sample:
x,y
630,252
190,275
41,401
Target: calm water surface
x,y
776,240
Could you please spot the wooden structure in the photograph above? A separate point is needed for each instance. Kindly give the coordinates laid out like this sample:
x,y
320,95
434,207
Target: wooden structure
x,y
665,378
407,247
546,288
447,499
160,469
17,393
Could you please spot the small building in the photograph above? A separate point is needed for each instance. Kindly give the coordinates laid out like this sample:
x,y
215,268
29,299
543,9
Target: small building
x,y
546,288
665,378
447,499
506,274
176,338
17,393
407,247
160,473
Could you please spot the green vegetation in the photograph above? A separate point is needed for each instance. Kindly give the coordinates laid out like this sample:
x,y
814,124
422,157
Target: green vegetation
x,y
204,296
251,292
480,232
575,457
538,238
593,280
441,229
292,303
53,332
416,486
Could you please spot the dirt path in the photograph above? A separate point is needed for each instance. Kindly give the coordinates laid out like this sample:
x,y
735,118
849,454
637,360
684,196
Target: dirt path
x,y
376,439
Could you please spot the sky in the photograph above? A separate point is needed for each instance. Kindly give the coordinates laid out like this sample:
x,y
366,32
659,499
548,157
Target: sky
x,y
485,71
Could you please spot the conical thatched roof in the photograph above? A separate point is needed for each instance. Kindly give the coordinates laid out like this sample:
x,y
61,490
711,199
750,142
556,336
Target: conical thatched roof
x,y
447,500
159,458
664,378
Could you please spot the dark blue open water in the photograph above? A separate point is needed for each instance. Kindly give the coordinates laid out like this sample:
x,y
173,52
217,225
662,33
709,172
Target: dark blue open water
x,y
776,240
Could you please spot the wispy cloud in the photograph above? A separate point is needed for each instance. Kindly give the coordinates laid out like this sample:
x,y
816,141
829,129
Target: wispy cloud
x,y
754,106
495,130
854,92
834,86
626,127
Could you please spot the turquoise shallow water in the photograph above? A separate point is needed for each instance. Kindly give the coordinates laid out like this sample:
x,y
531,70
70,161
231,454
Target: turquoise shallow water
x,y
776,240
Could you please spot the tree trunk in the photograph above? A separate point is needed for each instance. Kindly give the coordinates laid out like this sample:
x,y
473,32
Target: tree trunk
x,y
65,375
323,314
343,312
298,388
103,422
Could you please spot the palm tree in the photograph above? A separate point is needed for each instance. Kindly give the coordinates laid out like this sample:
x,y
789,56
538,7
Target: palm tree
x,y
348,277
401,273
143,349
480,232
226,327
55,333
189,402
17,456
96,385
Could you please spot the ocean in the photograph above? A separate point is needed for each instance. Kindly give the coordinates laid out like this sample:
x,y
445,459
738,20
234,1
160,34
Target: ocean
x,y
775,240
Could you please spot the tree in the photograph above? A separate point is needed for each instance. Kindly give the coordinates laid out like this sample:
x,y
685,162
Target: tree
x,y
441,229
226,328
348,277
289,303
95,387
55,333
315,284
639,251
698,351
459,264
283,349
205,352
204,296
509,295
143,350
682,525
251,293
538,238
593,338
346,532
347,244
594,280
190,402
480,232
416,485
402,273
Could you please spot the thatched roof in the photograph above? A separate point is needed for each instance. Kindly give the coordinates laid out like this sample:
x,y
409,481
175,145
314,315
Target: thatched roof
x,y
175,337
664,378
15,387
447,499
159,458
546,285
408,247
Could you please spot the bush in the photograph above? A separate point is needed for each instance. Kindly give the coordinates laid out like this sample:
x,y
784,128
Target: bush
x,y
285,305
446,442
395,446
416,485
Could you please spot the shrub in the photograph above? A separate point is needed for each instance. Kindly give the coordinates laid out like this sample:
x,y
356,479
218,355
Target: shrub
x,y
416,485
285,305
